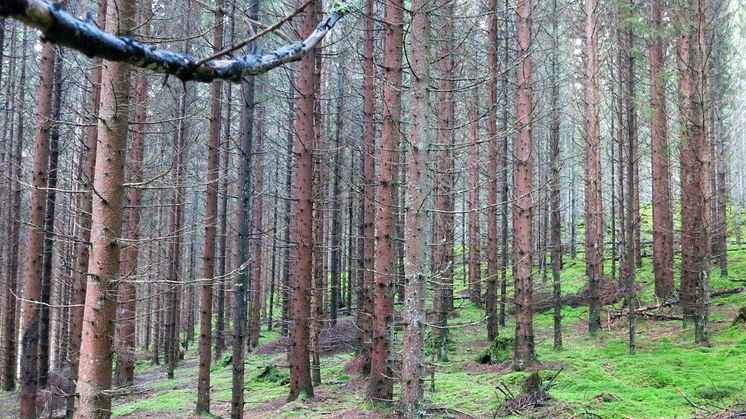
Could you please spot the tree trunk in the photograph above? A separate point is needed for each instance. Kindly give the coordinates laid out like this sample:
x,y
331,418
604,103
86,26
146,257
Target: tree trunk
x,y
103,267
35,244
492,155
258,213
302,252
211,217
523,183
594,234
380,386
554,183
417,227
475,269
364,319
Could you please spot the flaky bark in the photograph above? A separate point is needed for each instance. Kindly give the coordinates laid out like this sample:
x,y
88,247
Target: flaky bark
x,y
380,385
59,27
417,226
103,267
523,206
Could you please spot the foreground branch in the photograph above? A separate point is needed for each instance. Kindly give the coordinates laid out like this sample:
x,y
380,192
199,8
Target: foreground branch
x,y
59,27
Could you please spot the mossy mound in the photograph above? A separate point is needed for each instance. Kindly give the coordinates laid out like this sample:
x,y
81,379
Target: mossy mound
x,y
499,351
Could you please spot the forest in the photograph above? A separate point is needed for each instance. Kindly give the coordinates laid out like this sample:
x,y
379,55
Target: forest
x,y
372,208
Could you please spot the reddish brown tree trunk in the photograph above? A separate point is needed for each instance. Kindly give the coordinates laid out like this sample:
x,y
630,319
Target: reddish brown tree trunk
x,y
220,322
35,244
662,216
258,210
380,386
475,270
364,318
523,206
126,316
491,296
211,218
594,244
442,266
695,255
302,252
85,205
100,304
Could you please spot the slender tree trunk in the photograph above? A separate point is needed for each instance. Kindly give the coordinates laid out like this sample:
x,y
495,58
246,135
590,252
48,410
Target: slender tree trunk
x,y
258,210
662,216
336,260
51,201
220,321
302,252
35,244
442,258
10,348
365,314
211,218
288,225
492,156
100,304
594,244
380,386
503,154
475,269
523,184
554,183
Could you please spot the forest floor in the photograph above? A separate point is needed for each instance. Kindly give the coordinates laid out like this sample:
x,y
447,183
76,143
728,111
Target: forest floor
x,y
668,377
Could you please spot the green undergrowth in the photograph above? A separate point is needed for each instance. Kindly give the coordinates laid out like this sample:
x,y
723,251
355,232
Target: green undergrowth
x,y
598,376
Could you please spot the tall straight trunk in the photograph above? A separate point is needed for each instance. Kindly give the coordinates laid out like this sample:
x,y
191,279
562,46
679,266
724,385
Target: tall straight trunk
x,y
100,304
49,237
492,155
35,241
660,159
380,385
523,206
258,210
364,319
442,259
503,162
417,227
695,255
319,218
288,225
126,317
85,204
176,221
594,234
220,321
336,230
211,220
241,285
10,346
273,274
302,252
554,183
475,270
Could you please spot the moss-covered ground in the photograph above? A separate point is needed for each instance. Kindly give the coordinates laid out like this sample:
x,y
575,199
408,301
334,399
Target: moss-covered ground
x,y
668,377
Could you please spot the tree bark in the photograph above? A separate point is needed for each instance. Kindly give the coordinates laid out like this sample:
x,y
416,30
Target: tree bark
x,y
554,183
523,184
211,218
417,227
302,252
594,244
103,267
380,385
35,244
